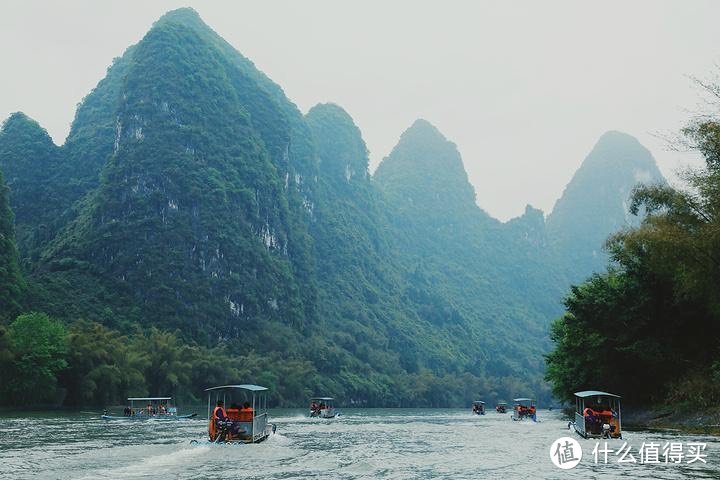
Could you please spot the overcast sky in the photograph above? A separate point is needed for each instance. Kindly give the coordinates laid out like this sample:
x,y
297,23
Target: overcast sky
x,y
523,88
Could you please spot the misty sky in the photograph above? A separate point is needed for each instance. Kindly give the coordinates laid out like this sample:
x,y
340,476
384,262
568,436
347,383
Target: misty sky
x,y
524,88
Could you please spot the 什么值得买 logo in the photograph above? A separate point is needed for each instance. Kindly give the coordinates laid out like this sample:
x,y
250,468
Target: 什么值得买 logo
x,y
565,452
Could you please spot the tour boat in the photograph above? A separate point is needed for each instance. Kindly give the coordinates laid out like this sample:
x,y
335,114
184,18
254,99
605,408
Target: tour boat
x,y
597,414
246,411
322,407
501,407
524,408
150,408
478,407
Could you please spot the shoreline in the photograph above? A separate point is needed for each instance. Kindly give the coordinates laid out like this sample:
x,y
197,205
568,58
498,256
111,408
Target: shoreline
x,y
679,418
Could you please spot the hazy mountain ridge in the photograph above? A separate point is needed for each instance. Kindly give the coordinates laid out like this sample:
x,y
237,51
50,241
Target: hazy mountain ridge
x,y
192,194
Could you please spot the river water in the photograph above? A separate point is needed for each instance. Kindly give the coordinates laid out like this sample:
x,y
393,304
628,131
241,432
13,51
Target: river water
x,y
360,444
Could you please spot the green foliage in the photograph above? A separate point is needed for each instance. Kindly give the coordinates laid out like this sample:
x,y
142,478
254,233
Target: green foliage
x,y
11,281
39,348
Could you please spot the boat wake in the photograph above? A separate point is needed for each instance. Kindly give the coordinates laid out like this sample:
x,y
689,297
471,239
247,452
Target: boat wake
x,y
151,467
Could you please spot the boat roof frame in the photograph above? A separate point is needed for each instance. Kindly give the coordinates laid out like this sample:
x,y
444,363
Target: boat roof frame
x,y
137,399
523,399
248,386
327,399
478,401
595,393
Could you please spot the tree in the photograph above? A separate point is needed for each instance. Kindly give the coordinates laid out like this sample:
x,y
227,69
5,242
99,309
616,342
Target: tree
x,y
39,345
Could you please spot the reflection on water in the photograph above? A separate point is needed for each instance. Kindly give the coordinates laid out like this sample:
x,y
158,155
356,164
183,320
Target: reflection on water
x,y
361,444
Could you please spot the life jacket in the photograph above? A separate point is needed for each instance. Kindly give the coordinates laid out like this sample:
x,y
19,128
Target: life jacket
x,y
212,422
588,411
246,414
233,413
215,413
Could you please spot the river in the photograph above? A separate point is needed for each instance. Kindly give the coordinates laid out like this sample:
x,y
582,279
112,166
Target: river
x,y
360,444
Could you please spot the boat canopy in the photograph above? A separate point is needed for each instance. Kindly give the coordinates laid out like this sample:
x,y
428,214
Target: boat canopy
x,y
249,387
479,402
595,393
523,399
325,399
137,399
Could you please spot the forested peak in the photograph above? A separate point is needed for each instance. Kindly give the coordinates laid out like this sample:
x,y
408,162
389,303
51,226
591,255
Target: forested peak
x,y
616,163
425,129
185,15
424,163
26,150
341,148
423,146
620,150
331,112
18,125
182,17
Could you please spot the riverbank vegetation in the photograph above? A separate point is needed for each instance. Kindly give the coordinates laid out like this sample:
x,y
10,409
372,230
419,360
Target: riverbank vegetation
x,y
44,362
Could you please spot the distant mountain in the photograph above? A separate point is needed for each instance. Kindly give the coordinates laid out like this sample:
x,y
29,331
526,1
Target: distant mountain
x,y
470,264
595,202
192,196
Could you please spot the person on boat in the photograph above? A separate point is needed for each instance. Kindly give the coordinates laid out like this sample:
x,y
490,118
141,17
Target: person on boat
x,y
246,413
127,412
219,412
233,412
217,421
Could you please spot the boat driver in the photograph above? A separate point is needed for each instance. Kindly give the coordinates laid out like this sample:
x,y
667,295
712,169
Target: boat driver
x,y
220,415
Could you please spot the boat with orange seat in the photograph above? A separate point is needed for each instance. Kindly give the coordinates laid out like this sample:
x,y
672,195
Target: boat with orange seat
x,y
322,407
597,414
524,408
246,412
